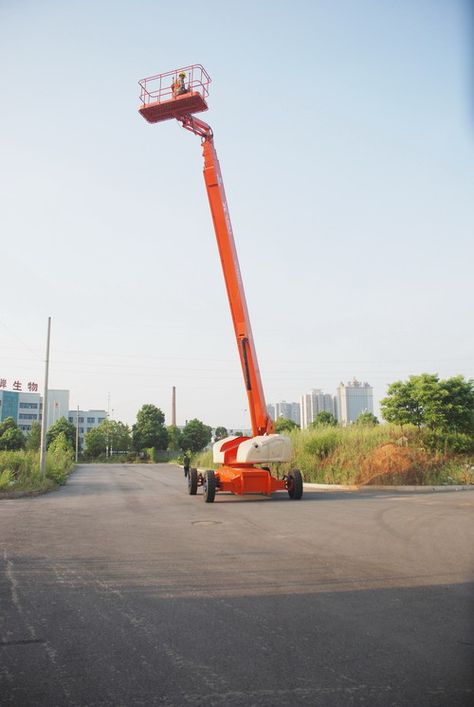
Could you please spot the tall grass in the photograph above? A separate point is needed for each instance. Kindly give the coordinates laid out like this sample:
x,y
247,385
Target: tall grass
x,y
20,470
382,454
332,455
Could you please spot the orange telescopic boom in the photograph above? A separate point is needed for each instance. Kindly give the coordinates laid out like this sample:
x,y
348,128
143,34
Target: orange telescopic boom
x,y
260,419
178,95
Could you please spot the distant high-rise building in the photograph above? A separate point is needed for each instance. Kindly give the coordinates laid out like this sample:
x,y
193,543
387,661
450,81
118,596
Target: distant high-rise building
x,y
352,399
290,411
313,403
296,413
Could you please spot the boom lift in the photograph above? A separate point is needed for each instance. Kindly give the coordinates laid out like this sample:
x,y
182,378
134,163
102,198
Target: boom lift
x,y
179,94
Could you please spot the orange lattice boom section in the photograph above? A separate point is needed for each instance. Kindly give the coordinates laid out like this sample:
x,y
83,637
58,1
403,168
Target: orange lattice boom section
x,y
174,94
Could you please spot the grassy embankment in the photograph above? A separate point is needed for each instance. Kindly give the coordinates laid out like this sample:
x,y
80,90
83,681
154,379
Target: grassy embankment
x,y
20,471
376,455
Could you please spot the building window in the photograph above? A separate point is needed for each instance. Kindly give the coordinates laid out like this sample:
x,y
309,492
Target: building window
x,y
26,416
100,419
81,419
91,420
33,406
81,430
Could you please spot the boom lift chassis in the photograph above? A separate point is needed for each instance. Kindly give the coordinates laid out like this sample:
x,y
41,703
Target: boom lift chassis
x,y
241,458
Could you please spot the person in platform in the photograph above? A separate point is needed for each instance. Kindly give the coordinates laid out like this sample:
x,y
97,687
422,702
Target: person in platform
x,y
178,87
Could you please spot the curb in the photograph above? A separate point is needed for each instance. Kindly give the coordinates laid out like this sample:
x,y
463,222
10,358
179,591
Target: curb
x,y
353,487
419,489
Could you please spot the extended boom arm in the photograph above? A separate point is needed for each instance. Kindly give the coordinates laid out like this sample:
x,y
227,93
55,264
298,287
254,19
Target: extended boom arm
x,y
262,423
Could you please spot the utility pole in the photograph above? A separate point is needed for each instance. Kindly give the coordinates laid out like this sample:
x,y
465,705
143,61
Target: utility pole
x,y
77,434
107,447
44,419
173,407
111,446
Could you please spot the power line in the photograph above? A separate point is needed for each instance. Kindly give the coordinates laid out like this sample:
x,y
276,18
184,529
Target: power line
x,y
36,355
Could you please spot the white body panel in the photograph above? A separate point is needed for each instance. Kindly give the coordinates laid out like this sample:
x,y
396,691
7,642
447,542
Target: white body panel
x,y
217,454
258,450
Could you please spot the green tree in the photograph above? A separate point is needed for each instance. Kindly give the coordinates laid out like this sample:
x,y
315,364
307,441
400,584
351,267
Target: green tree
x,y
429,396
174,438
220,433
149,429
282,424
60,445
195,436
33,439
116,434
425,400
94,443
62,425
8,424
324,418
401,405
366,419
11,437
458,404
60,458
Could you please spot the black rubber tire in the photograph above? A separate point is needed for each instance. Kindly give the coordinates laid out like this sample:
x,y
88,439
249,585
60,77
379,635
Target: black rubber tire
x,y
209,486
192,482
295,484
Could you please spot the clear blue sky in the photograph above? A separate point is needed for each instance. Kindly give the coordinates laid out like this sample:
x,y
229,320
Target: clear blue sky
x,y
345,135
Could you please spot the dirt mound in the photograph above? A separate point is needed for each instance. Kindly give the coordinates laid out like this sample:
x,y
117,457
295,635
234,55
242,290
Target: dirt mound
x,y
393,464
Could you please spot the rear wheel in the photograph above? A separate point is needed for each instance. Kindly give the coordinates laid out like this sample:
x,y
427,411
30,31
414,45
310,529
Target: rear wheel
x,y
192,482
295,484
209,486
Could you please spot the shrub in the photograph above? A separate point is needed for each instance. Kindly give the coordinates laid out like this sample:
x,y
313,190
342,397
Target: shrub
x,y
445,442
6,479
323,441
59,460
22,465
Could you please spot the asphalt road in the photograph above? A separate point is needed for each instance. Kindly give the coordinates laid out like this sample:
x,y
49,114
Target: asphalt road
x,y
120,589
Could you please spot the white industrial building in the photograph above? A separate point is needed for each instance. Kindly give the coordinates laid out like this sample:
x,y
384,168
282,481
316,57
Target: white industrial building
x,y
27,408
86,420
58,405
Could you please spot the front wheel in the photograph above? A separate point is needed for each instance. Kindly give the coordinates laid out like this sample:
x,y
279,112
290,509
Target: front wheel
x,y
209,486
192,482
294,484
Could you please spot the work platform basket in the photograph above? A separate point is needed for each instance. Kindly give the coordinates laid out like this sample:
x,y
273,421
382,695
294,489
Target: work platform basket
x,y
172,95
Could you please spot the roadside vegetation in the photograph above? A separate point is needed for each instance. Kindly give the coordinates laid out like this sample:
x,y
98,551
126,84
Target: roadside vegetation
x,y
381,454
148,440
20,468
428,439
